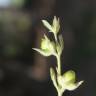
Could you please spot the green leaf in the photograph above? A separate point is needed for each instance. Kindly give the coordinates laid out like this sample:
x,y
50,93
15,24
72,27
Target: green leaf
x,y
47,25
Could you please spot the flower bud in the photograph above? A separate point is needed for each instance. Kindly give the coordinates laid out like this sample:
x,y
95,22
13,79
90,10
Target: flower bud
x,y
67,81
55,27
69,76
47,45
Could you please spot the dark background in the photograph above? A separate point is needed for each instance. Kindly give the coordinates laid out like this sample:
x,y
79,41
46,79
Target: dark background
x,y
24,72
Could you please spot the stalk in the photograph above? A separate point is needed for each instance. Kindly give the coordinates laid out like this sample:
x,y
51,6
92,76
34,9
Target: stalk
x,y
58,64
60,94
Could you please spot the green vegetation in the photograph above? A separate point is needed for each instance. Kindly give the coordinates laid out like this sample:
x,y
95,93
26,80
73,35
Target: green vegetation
x,y
67,80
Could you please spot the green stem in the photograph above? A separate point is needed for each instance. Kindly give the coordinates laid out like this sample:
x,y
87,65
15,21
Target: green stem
x,y
55,35
59,65
60,94
58,57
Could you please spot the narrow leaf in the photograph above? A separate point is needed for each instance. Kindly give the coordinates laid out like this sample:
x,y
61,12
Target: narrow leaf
x,y
44,53
47,25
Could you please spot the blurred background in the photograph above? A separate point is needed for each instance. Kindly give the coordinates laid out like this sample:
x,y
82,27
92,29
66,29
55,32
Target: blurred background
x,y
24,72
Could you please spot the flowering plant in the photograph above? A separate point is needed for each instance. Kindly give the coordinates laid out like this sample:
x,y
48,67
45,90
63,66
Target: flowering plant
x,y
67,80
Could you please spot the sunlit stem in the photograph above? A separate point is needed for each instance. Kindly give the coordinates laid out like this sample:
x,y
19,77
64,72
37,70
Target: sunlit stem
x,y
60,93
58,64
55,35
58,57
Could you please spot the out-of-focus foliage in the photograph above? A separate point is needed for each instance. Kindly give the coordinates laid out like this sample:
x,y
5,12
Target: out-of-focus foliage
x,y
17,3
12,3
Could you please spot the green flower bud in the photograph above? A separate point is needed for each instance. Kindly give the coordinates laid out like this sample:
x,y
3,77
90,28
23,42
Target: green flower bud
x,y
69,76
70,80
67,81
47,47
55,27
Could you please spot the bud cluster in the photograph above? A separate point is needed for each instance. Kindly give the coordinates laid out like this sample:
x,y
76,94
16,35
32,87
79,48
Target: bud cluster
x,y
67,80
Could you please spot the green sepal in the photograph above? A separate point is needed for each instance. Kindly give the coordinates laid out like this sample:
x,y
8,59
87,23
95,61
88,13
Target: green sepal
x,y
56,25
60,45
68,81
42,52
73,86
53,77
48,45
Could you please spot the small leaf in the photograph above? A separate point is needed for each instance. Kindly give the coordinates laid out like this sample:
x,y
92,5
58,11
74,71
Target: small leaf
x,y
47,25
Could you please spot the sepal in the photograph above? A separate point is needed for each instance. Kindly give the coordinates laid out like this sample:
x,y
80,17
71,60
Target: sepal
x,y
42,52
73,86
